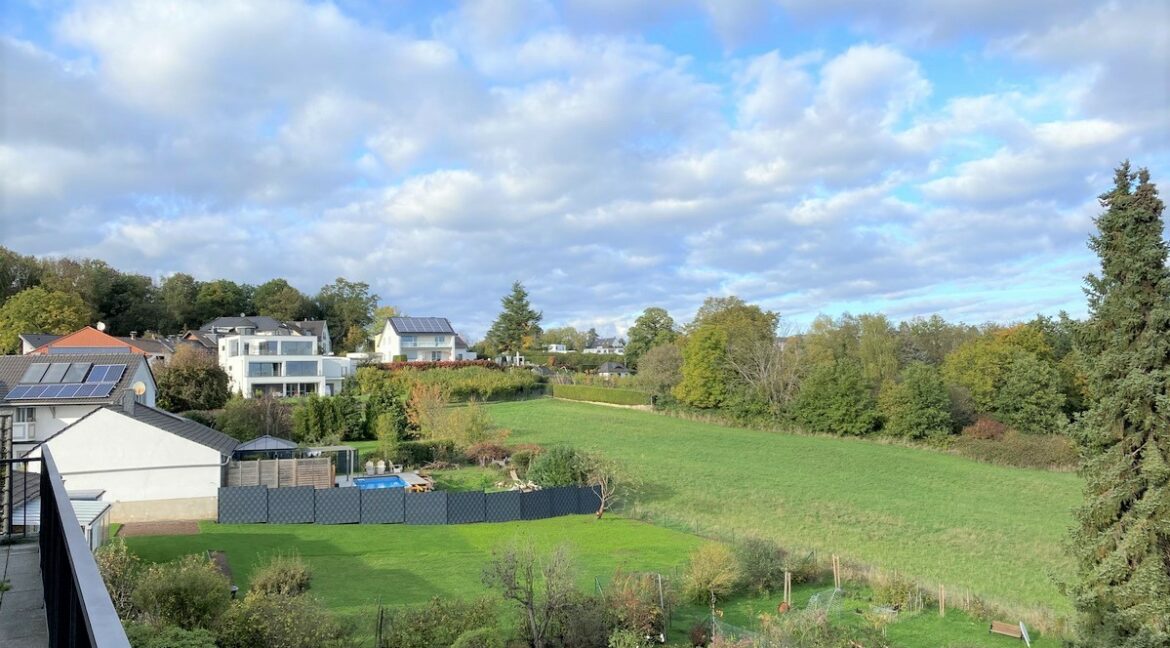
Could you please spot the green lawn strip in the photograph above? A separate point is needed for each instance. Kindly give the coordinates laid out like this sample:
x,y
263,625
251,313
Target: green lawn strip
x,y
941,518
469,478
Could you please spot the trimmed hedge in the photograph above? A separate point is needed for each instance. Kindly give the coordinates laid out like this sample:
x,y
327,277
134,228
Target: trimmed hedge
x,y
423,365
601,394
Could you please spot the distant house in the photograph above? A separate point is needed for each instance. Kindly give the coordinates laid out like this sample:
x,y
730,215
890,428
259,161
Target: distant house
x,y
46,393
612,369
90,340
615,346
421,338
152,465
558,348
266,357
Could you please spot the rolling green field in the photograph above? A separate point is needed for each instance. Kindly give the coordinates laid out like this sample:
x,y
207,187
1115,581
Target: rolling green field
x,y
995,530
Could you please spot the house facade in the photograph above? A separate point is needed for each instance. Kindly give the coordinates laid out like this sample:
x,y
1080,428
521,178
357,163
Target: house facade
x,y
614,346
421,339
47,393
266,357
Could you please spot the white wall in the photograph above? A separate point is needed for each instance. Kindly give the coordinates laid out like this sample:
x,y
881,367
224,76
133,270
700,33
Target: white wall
x,y
134,461
51,420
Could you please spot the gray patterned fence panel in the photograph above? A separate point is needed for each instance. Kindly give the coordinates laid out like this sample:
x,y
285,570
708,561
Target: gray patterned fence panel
x,y
502,507
426,508
291,505
536,505
564,500
383,505
465,508
588,499
339,505
243,504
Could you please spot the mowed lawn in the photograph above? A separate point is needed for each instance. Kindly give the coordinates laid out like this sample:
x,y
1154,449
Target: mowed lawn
x,y
356,566
995,530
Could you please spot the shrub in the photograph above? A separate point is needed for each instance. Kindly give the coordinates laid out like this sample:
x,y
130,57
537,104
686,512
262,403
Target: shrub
x,y
559,466
660,369
424,365
480,638
468,383
918,407
762,563
421,453
486,452
804,568
280,622
636,604
284,575
188,593
248,418
438,623
834,399
1030,398
142,635
985,428
583,622
1047,452
713,569
321,420
523,455
120,570
601,394
622,638
700,634
891,590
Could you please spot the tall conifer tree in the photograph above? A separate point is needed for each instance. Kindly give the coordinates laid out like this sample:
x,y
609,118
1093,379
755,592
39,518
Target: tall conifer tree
x,y
1121,539
517,326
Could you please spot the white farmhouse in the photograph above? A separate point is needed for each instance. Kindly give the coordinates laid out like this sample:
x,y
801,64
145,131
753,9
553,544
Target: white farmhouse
x,y
608,346
421,338
46,393
266,357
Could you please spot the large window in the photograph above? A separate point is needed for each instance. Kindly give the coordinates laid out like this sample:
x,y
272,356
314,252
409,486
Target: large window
x,y
263,369
297,348
409,341
440,340
300,368
436,356
268,347
25,426
300,389
233,348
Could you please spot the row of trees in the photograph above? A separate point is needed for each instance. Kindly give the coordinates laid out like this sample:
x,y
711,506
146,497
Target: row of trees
x,y
61,295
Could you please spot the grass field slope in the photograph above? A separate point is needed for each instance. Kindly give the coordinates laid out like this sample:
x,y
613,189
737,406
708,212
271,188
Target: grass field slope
x,y
995,530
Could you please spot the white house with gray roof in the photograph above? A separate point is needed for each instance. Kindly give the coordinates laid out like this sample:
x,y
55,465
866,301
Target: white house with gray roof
x,y
421,339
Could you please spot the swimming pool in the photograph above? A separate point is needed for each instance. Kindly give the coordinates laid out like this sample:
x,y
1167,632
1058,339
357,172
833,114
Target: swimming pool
x,y
384,481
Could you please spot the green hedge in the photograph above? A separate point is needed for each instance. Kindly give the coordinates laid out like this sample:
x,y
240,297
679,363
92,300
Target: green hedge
x,y
601,394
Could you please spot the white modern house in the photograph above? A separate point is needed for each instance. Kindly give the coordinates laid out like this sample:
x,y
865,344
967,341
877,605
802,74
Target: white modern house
x,y
46,393
421,338
615,346
266,357
151,465
557,348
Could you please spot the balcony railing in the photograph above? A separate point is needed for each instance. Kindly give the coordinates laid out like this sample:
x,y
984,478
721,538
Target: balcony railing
x,y
78,609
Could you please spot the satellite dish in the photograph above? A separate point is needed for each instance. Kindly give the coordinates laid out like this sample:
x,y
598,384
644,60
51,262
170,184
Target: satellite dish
x,y
101,326
139,388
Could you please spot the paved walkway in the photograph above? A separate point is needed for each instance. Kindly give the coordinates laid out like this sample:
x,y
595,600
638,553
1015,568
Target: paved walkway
x,y
22,608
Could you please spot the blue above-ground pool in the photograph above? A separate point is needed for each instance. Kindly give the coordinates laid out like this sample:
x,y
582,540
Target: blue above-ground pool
x,y
382,481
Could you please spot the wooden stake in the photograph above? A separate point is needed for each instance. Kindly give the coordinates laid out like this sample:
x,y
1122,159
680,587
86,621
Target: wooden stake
x,y
788,588
942,600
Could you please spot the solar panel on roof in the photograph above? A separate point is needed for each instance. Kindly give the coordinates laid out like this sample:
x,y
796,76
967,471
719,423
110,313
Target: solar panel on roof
x,y
115,373
102,390
55,372
106,373
35,372
17,392
69,391
76,372
35,391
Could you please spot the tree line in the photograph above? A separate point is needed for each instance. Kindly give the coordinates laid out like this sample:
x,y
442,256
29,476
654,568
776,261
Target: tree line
x,y
59,296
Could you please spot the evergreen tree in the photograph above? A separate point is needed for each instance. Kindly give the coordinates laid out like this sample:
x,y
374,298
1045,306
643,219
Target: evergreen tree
x,y
1121,540
518,326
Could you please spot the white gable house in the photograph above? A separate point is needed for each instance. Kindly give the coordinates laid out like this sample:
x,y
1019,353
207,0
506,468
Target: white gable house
x,y
421,339
266,357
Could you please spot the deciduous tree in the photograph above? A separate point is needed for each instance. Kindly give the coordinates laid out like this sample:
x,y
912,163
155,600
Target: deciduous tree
x,y
543,587
1121,539
348,307
654,327
704,368
192,380
37,310
278,299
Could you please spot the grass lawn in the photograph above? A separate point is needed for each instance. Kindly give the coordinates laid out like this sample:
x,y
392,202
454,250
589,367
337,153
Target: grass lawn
x,y
940,518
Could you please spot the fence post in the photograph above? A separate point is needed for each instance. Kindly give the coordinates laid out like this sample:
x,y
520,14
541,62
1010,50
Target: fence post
x,y
942,600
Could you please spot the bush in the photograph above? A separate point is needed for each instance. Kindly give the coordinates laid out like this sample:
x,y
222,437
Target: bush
x,y
559,466
918,407
804,568
1046,452
762,563
424,365
480,638
700,634
523,455
985,428
713,570
894,591
835,399
486,452
634,601
438,623
601,394
283,575
468,383
120,570
142,635
583,622
622,638
189,593
1030,399
421,453
280,622
248,418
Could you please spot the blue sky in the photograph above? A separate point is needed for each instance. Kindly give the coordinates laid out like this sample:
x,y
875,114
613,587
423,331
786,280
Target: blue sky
x,y
812,156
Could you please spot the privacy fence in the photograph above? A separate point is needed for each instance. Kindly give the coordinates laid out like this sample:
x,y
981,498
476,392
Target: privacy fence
x,y
308,505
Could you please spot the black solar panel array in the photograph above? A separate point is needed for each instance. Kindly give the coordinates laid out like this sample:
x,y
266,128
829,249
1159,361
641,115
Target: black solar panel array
x,y
422,325
45,379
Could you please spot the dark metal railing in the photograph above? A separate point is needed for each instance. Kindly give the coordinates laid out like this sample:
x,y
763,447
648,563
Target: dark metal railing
x,y
78,609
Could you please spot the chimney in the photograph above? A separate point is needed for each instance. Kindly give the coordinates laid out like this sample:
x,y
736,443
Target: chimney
x,y
128,403
133,334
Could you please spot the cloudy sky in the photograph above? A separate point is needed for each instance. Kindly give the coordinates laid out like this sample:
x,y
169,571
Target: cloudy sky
x,y
813,156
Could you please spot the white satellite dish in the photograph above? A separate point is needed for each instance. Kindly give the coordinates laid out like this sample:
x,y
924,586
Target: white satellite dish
x,y
139,388
101,326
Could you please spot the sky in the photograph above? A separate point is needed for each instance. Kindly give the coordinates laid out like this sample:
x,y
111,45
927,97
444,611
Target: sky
x,y
810,156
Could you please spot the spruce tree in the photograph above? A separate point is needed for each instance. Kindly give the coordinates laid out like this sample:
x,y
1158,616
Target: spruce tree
x,y
1121,540
517,326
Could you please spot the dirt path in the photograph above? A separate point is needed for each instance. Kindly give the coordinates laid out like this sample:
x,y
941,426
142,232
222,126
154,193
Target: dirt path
x,y
176,527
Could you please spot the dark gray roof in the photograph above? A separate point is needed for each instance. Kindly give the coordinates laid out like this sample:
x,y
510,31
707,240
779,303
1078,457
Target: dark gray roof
x,y
266,442
262,323
13,367
460,343
612,367
312,327
411,325
36,340
180,426
149,345
199,339
26,486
